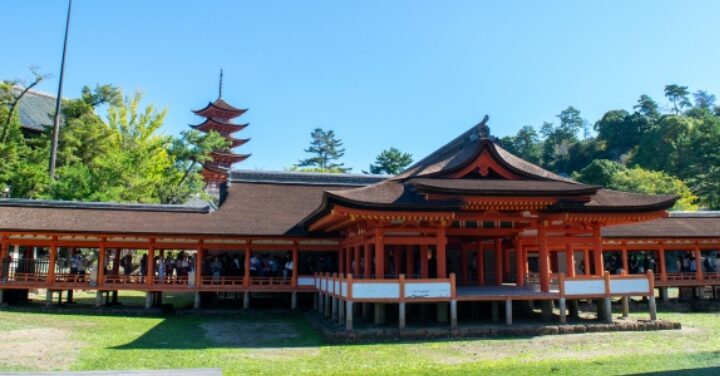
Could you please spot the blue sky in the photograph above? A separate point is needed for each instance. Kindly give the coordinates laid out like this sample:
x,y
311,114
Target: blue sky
x,y
409,74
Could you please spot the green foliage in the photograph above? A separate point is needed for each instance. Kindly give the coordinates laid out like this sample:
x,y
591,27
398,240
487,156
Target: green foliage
x,y
678,97
599,172
391,162
325,149
525,144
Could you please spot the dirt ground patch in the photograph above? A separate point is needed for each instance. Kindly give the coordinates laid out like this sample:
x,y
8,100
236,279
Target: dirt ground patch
x,y
244,334
37,348
259,339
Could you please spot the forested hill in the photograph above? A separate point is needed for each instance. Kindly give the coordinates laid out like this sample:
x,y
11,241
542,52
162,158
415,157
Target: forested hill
x,y
668,149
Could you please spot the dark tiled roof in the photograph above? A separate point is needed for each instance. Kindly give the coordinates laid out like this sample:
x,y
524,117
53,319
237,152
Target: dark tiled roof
x,y
261,209
305,178
678,225
36,110
198,207
464,149
498,187
615,201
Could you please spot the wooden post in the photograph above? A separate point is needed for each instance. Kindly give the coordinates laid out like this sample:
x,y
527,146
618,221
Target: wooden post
x,y
295,254
379,253
543,257
199,253
246,277
51,263
368,261
508,312
661,260
651,296
4,266
698,264
624,256
424,267
401,303
453,302
151,266
498,262
101,264
597,250
519,260
441,257
465,276
570,260
410,260
562,303
480,264
607,307
356,252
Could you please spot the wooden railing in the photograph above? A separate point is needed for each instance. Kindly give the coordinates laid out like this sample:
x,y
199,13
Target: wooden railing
x,y
346,287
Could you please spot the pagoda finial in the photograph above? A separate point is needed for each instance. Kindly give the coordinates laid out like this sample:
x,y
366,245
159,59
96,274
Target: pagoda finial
x,y
483,131
220,86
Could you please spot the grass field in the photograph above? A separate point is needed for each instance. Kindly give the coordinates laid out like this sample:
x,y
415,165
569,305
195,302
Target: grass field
x,y
268,343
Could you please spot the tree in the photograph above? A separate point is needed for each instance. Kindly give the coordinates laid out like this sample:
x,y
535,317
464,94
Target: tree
x,y
620,131
678,96
704,100
647,107
525,144
391,162
599,172
640,180
325,149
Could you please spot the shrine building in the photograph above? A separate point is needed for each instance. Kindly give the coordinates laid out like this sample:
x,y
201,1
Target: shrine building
x,y
470,222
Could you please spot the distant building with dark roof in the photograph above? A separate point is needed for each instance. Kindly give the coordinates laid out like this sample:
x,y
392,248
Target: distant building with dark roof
x,y
35,111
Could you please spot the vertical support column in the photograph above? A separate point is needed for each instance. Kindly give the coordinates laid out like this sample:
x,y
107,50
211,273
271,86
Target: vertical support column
x,y
465,276
349,315
652,305
570,260
498,262
663,266
334,308
150,277
246,277
356,252
625,306
597,250
293,300
148,300
198,300
624,256
401,302
519,261
453,302
480,263
368,261
441,257
246,300
199,255
4,258
424,267
586,260
410,260
295,254
508,312
51,262
562,303
543,257
698,266
607,303
379,253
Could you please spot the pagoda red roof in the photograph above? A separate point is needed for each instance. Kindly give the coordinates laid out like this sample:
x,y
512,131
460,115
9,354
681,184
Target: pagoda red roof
x,y
219,155
220,110
222,127
235,142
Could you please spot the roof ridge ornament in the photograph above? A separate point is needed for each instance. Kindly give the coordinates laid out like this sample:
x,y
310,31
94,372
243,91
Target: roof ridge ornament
x,y
483,131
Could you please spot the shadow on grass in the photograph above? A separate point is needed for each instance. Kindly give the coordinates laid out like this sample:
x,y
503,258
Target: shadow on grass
x,y
684,372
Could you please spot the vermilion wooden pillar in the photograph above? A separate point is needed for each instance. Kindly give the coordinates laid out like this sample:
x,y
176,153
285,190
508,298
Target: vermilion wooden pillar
x,y
151,266
661,260
368,260
424,267
543,258
101,263
698,264
199,254
379,253
498,262
519,261
597,251
624,256
248,254
480,263
3,255
295,258
441,256
51,263
570,260
410,260
356,267
348,260
396,259
465,273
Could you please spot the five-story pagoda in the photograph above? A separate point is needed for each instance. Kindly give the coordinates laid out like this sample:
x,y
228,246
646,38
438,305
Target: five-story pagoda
x,y
218,117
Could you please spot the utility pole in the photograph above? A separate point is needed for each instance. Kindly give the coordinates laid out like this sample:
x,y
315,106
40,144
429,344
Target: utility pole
x,y
56,125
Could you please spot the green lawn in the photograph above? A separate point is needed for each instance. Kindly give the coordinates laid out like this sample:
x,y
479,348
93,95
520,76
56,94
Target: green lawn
x,y
284,344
